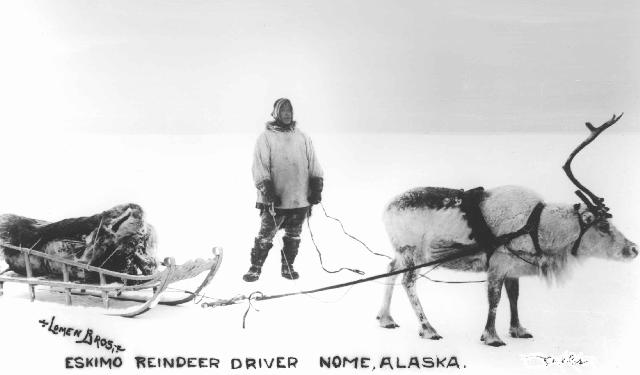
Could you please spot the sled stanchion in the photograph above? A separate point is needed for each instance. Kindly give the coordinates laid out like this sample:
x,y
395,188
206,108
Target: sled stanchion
x,y
27,264
107,289
1,288
65,278
105,294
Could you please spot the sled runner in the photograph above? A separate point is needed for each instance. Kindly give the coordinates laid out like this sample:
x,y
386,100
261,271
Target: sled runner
x,y
146,289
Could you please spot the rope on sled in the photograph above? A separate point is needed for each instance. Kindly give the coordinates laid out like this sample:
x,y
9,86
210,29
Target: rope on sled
x,y
202,296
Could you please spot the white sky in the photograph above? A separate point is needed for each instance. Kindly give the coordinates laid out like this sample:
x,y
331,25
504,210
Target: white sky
x,y
382,66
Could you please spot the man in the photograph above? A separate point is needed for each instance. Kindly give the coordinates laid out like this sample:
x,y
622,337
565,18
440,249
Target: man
x,y
289,180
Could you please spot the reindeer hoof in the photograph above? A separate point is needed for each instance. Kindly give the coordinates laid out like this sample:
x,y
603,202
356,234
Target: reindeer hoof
x,y
491,340
495,344
520,333
387,322
521,336
431,335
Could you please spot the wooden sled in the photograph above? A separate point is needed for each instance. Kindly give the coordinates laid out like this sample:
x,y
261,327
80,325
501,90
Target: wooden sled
x,y
131,288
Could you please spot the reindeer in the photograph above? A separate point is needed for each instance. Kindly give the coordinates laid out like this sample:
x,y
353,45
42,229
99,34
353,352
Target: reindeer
x,y
507,232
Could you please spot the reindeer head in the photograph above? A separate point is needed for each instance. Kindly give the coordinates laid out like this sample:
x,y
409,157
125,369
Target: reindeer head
x,y
598,237
601,239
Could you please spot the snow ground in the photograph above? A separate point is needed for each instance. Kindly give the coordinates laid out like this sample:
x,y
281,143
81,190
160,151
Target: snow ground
x,y
198,193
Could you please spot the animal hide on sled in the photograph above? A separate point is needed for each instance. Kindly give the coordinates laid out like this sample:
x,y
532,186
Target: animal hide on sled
x,y
118,239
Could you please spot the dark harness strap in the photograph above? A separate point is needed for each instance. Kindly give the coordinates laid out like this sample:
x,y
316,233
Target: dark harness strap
x,y
530,228
485,238
583,228
533,225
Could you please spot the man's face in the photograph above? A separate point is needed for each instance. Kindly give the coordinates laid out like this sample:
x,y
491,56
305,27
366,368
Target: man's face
x,y
286,114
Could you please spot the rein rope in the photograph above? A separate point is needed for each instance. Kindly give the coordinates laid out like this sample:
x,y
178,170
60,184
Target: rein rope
x,y
259,296
324,210
352,236
354,270
315,245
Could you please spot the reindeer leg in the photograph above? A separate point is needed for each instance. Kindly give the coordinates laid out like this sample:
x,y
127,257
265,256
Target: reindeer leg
x,y
409,284
512,285
384,316
490,336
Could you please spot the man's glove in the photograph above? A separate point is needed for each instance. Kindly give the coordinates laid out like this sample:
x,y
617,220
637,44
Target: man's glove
x,y
315,187
269,192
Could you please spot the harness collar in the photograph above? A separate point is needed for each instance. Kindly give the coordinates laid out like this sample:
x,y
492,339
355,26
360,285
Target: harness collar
x,y
532,229
484,237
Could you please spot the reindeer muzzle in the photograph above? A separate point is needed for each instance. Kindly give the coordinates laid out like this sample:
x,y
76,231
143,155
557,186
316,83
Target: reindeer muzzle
x,y
630,250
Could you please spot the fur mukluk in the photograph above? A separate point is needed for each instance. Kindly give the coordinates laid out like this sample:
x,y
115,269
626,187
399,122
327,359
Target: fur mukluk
x,y
118,239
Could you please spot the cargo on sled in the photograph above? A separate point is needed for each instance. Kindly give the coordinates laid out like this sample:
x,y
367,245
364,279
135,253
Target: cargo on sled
x,y
110,255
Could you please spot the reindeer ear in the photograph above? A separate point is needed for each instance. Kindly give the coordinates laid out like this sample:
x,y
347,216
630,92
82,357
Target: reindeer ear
x,y
587,217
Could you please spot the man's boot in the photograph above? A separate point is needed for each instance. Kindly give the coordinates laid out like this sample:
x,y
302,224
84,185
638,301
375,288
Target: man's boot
x,y
289,252
258,255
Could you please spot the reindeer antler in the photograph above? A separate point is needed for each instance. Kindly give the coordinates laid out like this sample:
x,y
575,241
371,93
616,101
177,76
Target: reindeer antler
x,y
593,202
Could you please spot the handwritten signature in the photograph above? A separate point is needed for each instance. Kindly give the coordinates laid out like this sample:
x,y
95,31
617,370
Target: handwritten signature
x,y
564,359
88,336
